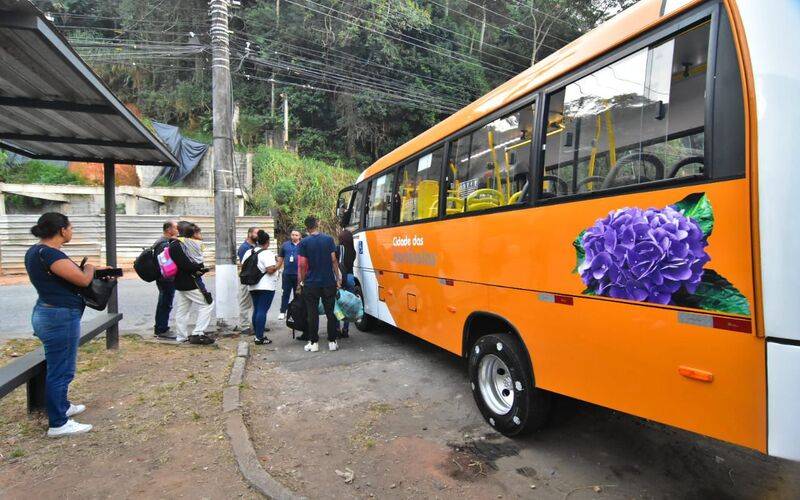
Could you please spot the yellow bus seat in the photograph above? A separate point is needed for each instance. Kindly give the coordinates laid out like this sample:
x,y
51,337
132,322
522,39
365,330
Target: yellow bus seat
x,y
484,198
515,197
427,197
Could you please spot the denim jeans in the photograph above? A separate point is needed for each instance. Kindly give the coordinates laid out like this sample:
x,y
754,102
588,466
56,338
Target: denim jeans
x,y
59,329
262,299
166,293
312,296
289,282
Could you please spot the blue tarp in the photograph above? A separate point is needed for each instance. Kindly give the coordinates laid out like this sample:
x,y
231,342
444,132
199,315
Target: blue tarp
x,y
188,152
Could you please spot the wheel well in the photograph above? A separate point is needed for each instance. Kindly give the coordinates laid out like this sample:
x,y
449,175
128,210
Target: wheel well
x,y
482,323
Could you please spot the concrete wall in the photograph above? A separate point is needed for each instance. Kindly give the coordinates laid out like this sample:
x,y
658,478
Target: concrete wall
x,y
134,232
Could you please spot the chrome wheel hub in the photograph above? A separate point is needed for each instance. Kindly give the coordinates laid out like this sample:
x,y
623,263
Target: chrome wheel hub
x,y
496,384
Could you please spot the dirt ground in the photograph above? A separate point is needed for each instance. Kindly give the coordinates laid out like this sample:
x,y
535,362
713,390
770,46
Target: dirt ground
x,y
395,417
158,432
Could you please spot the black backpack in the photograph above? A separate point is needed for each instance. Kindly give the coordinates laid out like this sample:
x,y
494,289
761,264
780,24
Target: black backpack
x,y
250,273
146,264
296,318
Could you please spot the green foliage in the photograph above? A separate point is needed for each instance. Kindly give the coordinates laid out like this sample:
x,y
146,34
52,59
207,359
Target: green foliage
x,y
715,293
363,76
38,172
296,187
697,207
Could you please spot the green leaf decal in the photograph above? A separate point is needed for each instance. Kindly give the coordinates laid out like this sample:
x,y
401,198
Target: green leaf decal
x,y
714,293
697,207
580,253
589,291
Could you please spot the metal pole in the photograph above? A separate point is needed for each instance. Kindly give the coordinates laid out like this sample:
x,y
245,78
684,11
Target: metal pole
x,y
226,303
112,334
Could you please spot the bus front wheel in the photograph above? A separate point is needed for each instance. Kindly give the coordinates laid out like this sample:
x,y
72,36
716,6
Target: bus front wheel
x,y
503,385
367,322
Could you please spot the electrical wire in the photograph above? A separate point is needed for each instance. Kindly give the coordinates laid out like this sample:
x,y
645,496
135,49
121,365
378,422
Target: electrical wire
x,y
447,39
388,83
502,71
342,57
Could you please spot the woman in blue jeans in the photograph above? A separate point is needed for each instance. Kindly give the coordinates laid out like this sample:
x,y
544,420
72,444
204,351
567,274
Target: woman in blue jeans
x,y
57,317
264,291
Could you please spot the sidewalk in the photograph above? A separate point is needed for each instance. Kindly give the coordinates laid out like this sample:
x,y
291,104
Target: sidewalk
x,y
158,429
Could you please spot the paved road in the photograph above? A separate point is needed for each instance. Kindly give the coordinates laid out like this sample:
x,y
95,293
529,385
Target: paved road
x,y
399,413
137,301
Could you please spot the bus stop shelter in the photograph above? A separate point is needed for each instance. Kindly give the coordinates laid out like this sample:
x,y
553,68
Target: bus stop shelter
x,y
54,107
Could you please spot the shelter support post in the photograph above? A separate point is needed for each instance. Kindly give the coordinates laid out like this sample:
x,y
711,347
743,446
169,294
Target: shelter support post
x,y
112,333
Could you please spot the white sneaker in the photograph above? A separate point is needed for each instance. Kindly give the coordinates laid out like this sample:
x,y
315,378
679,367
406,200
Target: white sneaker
x,y
68,429
333,346
281,317
311,347
75,410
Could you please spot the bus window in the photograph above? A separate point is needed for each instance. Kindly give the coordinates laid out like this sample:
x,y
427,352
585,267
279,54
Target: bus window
x,y
638,120
418,187
356,209
379,203
490,168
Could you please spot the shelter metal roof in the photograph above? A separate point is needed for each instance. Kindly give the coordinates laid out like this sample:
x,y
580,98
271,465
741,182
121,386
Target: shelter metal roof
x,y
53,106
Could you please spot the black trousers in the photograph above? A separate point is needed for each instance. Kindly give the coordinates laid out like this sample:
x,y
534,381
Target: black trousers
x,y
312,296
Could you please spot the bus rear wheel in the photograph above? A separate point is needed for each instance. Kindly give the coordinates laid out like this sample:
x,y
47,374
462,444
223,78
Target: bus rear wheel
x,y
367,322
503,386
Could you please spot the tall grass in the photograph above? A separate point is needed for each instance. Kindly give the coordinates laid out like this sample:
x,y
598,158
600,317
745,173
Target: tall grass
x,y
296,187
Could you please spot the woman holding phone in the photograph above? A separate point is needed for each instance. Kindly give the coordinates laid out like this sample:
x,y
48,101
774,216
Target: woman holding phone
x,y
57,316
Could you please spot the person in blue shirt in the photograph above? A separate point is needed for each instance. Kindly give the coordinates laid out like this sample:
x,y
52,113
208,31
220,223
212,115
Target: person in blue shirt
x,y
287,260
245,300
319,278
57,315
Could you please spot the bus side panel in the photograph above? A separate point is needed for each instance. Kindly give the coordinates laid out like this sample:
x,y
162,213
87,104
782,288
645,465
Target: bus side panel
x,y
631,363
627,355
415,299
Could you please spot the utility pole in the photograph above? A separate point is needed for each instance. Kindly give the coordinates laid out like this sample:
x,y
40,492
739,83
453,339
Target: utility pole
x,y
272,96
226,302
285,121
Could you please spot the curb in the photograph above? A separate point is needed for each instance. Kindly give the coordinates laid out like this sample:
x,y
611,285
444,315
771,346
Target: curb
x,y
243,450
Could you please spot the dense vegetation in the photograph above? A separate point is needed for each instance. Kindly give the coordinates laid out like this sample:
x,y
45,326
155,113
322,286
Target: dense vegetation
x,y
296,187
362,76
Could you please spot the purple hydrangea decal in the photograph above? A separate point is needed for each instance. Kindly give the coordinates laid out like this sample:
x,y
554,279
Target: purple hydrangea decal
x,y
644,255
656,256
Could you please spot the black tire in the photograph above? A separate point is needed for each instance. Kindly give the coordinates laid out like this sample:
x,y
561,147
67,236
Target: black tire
x,y
530,406
367,322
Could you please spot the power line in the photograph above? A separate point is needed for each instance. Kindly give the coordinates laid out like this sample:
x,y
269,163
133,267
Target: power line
x,y
353,83
345,58
382,81
385,84
494,26
334,91
497,13
451,55
350,81
447,39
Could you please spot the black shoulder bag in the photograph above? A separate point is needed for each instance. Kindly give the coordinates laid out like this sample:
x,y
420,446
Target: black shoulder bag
x,y
95,295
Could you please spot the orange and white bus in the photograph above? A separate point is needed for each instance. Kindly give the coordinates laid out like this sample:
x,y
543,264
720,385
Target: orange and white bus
x,y
613,224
